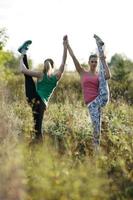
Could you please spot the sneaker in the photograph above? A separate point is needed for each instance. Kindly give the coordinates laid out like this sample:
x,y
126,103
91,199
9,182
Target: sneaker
x,y
24,47
98,40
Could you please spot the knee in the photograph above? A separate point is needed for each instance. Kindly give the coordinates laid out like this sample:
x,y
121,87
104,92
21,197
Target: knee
x,y
105,100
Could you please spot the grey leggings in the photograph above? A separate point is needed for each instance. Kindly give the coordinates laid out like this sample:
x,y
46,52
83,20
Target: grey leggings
x,y
100,101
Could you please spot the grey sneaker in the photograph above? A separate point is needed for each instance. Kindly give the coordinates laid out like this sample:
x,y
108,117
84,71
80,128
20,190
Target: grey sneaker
x,y
98,40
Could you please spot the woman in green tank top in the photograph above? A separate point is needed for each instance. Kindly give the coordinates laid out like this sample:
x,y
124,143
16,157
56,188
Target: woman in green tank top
x,y
38,95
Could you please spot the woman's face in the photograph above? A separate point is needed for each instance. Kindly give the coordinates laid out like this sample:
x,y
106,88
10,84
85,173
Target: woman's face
x,y
93,63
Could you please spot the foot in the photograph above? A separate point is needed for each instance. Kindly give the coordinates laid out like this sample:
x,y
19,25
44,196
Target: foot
x,y
24,47
98,40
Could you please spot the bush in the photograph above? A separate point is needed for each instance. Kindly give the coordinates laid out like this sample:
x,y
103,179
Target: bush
x,y
64,167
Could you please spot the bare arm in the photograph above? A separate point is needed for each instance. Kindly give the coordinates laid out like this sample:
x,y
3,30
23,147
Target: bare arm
x,y
107,70
61,69
79,69
28,72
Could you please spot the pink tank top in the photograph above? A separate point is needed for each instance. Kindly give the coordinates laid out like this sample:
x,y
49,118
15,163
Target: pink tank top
x,y
90,86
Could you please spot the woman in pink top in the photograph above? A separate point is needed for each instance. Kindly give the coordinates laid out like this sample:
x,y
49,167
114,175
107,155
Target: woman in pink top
x,y
94,86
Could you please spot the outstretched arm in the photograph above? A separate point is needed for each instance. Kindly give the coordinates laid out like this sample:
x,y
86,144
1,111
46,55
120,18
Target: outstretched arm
x,y
61,69
28,72
79,69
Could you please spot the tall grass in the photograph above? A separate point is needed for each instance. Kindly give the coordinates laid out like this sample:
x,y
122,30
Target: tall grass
x,y
64,166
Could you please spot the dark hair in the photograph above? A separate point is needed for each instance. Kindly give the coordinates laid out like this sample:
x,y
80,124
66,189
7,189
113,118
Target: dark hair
x,y
93,56
51,62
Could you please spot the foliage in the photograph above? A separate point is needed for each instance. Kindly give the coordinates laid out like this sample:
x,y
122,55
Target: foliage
x,y
64,166
122,66
3,38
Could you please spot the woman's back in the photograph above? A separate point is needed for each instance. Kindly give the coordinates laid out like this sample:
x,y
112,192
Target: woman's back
x,y
45,86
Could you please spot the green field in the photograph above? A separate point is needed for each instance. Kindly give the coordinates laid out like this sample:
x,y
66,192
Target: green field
x,y
64,166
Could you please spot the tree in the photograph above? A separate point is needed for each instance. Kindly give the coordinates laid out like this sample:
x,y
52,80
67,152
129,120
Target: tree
x,y
120,67
3,37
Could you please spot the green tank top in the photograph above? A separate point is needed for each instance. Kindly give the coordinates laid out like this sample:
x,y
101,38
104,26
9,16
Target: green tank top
x,y
46,86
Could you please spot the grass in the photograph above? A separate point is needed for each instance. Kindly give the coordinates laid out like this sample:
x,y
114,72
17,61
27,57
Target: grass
x,y
64,166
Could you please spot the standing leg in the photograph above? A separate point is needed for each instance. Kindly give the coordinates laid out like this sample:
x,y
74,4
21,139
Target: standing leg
x,y
95,113
38,109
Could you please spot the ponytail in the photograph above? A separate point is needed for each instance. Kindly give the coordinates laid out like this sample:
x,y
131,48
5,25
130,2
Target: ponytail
x,y
48,64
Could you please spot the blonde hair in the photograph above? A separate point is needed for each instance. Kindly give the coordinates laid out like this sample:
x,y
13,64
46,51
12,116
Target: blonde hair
x,y
48,65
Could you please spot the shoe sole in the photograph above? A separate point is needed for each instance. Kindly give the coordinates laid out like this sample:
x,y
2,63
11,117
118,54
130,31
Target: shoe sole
x,y
24,46
99,40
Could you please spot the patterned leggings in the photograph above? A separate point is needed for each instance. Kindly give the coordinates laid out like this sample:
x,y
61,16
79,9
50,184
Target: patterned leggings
x,y
100,101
